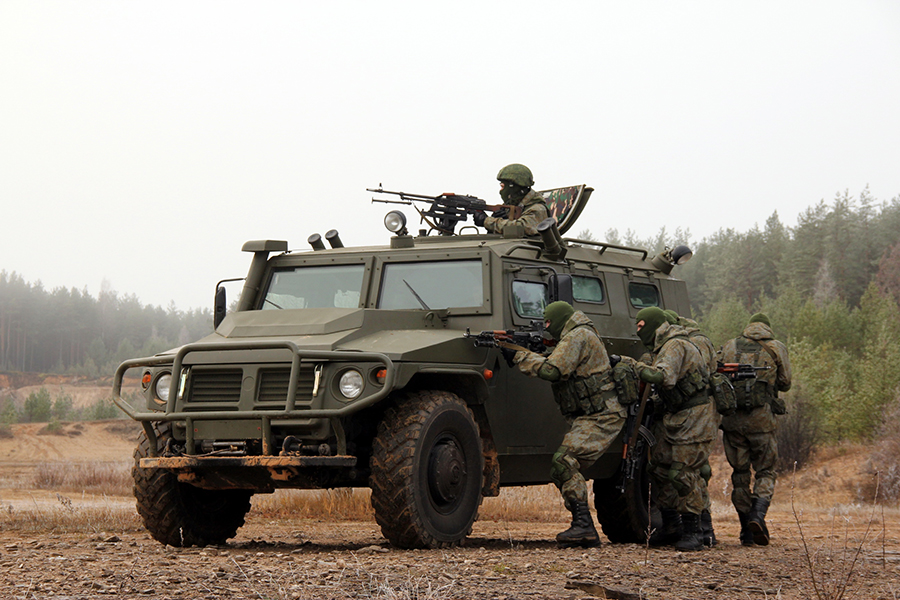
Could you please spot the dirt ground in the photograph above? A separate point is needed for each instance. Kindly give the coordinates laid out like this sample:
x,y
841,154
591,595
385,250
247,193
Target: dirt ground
x,y
307,558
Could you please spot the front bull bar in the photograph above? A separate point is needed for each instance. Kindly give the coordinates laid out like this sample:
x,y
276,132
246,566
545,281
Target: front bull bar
x,y
265,417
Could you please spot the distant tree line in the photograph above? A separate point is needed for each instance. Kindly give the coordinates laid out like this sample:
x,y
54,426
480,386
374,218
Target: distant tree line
x,y
831,287
69,331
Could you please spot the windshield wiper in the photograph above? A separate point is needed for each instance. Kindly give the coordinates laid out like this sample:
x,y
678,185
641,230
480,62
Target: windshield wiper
x,y
273,304
418,297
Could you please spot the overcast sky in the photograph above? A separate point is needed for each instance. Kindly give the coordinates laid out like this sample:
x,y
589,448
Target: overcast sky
x,y
141,143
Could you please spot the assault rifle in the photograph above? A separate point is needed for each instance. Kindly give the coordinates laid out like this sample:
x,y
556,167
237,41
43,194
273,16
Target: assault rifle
x,y
512,339
448,209
739,371
638,438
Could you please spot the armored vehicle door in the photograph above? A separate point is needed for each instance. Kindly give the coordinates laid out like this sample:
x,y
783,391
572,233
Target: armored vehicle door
x,y
526,422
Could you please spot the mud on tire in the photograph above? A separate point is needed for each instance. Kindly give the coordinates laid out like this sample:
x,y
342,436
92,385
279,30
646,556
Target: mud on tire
x,y
427,469
179,514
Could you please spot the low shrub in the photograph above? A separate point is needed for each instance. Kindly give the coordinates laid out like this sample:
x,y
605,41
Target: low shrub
x,y
798,434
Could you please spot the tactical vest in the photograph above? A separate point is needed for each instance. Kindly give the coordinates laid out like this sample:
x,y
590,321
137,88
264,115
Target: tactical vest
x,y
689,391
578,396
753,393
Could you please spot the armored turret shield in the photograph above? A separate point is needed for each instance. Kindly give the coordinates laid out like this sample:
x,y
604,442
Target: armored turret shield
x,y
566,204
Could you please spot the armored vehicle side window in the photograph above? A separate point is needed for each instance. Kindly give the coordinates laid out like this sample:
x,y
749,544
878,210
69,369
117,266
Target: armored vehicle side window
x,y
529,298
439,284
588,289
334,286
643,295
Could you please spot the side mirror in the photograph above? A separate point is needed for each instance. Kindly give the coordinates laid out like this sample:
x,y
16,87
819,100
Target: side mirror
x,y
219,307
561,288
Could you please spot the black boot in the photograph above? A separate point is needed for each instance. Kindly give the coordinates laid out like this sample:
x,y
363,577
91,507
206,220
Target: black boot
x,y
582,532
691,538
670,532
757,521
706,529
746,534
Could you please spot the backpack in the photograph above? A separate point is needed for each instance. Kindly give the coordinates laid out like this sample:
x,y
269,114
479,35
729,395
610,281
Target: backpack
x,y
753,393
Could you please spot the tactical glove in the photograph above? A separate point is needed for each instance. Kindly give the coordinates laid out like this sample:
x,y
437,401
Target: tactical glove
x,y
649,374
478,217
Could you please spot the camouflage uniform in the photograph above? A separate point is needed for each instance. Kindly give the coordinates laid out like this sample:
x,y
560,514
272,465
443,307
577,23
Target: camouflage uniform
x,y
587,398
534,210
708,351
688,426
703,343
749,434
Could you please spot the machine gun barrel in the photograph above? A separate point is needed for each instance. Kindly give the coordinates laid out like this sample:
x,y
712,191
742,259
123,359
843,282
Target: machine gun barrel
x,y
447,209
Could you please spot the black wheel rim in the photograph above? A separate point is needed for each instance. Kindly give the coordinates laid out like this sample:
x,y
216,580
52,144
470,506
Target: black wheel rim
x,y
447,474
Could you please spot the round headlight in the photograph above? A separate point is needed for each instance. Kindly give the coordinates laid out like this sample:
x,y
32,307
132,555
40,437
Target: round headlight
x,y
351,383
162,387
395,221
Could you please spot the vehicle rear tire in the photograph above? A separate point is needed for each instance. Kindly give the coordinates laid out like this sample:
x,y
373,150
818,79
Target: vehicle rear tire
x,y
179,514
426,471
624,516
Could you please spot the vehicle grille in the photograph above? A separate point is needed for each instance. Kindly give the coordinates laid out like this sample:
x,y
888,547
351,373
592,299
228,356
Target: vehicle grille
x,y
216,386
223,388
273,388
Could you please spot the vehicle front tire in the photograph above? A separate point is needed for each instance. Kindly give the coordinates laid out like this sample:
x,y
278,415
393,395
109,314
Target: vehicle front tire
x,y
426,471
179,514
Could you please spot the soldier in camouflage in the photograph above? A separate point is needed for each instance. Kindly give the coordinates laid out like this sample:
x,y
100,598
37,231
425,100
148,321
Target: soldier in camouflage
x,y
515,189
708,351
680,374
580,374
749,434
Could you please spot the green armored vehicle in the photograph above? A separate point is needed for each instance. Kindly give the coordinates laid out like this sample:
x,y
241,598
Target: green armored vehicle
x,y
349,367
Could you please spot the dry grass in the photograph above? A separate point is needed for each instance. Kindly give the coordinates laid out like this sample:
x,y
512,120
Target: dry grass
x,y
342,504
68,516
832,560
538,504
535,504
93,477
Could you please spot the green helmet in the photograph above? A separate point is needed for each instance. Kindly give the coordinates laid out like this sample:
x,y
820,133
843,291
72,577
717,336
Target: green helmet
x,y
518,174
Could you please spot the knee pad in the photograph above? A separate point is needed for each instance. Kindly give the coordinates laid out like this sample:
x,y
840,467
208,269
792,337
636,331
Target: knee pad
x,y
674,476
563,466
706,472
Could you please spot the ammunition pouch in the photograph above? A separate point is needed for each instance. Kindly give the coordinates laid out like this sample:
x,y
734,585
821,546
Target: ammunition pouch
x,y
580,396
627,383
722,391
689,391
753,393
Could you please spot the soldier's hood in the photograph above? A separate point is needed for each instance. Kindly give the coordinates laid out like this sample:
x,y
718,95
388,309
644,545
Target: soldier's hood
x,y
577,319
758,331
665,332
532,197
688,323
